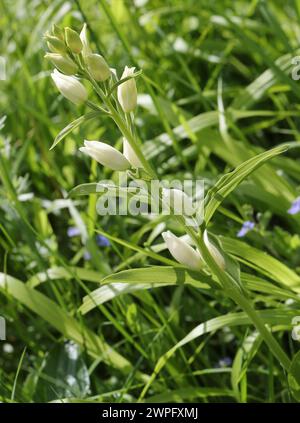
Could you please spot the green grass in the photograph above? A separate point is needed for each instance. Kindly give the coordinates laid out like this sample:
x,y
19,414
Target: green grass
x,y
216,91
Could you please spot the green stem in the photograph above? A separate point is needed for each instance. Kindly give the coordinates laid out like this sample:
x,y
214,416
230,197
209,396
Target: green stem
x,y
232,290
231,287
123,128
131,139
262,328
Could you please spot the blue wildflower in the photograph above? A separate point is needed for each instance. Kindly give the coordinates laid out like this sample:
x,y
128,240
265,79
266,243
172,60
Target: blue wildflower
x,y
295,207
224,362
247,226
87,255
102,241
73,231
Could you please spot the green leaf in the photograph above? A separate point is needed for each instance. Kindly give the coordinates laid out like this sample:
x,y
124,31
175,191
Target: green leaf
x,y
254,283
55,273
121,81
228,182
232,266
160,274
84,189
262,262
73,125
109,292
130,281
100,188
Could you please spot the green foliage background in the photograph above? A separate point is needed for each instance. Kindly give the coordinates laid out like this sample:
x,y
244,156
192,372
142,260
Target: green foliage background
x,y
216,90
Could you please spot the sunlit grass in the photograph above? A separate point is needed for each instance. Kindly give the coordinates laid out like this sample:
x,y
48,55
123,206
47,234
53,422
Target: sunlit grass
x,y
215,91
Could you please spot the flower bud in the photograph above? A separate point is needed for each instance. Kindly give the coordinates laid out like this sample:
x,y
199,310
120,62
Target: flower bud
x,y
130,155
182,252
106,155
127,93
55,44
179,202
73,40
85,42
69,87
214,252
58,32
63,63
97,67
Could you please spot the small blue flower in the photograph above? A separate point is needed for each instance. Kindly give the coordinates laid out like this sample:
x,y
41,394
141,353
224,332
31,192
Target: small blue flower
x,y
87,255
73,231
102,241
224,362
247,226
295,207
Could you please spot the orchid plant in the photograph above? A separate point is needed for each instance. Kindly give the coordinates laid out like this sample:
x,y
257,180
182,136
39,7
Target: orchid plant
x,y
199,254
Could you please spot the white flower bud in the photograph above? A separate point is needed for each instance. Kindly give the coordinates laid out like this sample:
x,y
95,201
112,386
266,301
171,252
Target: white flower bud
x,y
85,42
179,201
63,63
182,252
127,93
106,155
55,44
58,32
73,40
97,67
69,87
131,155
215,253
